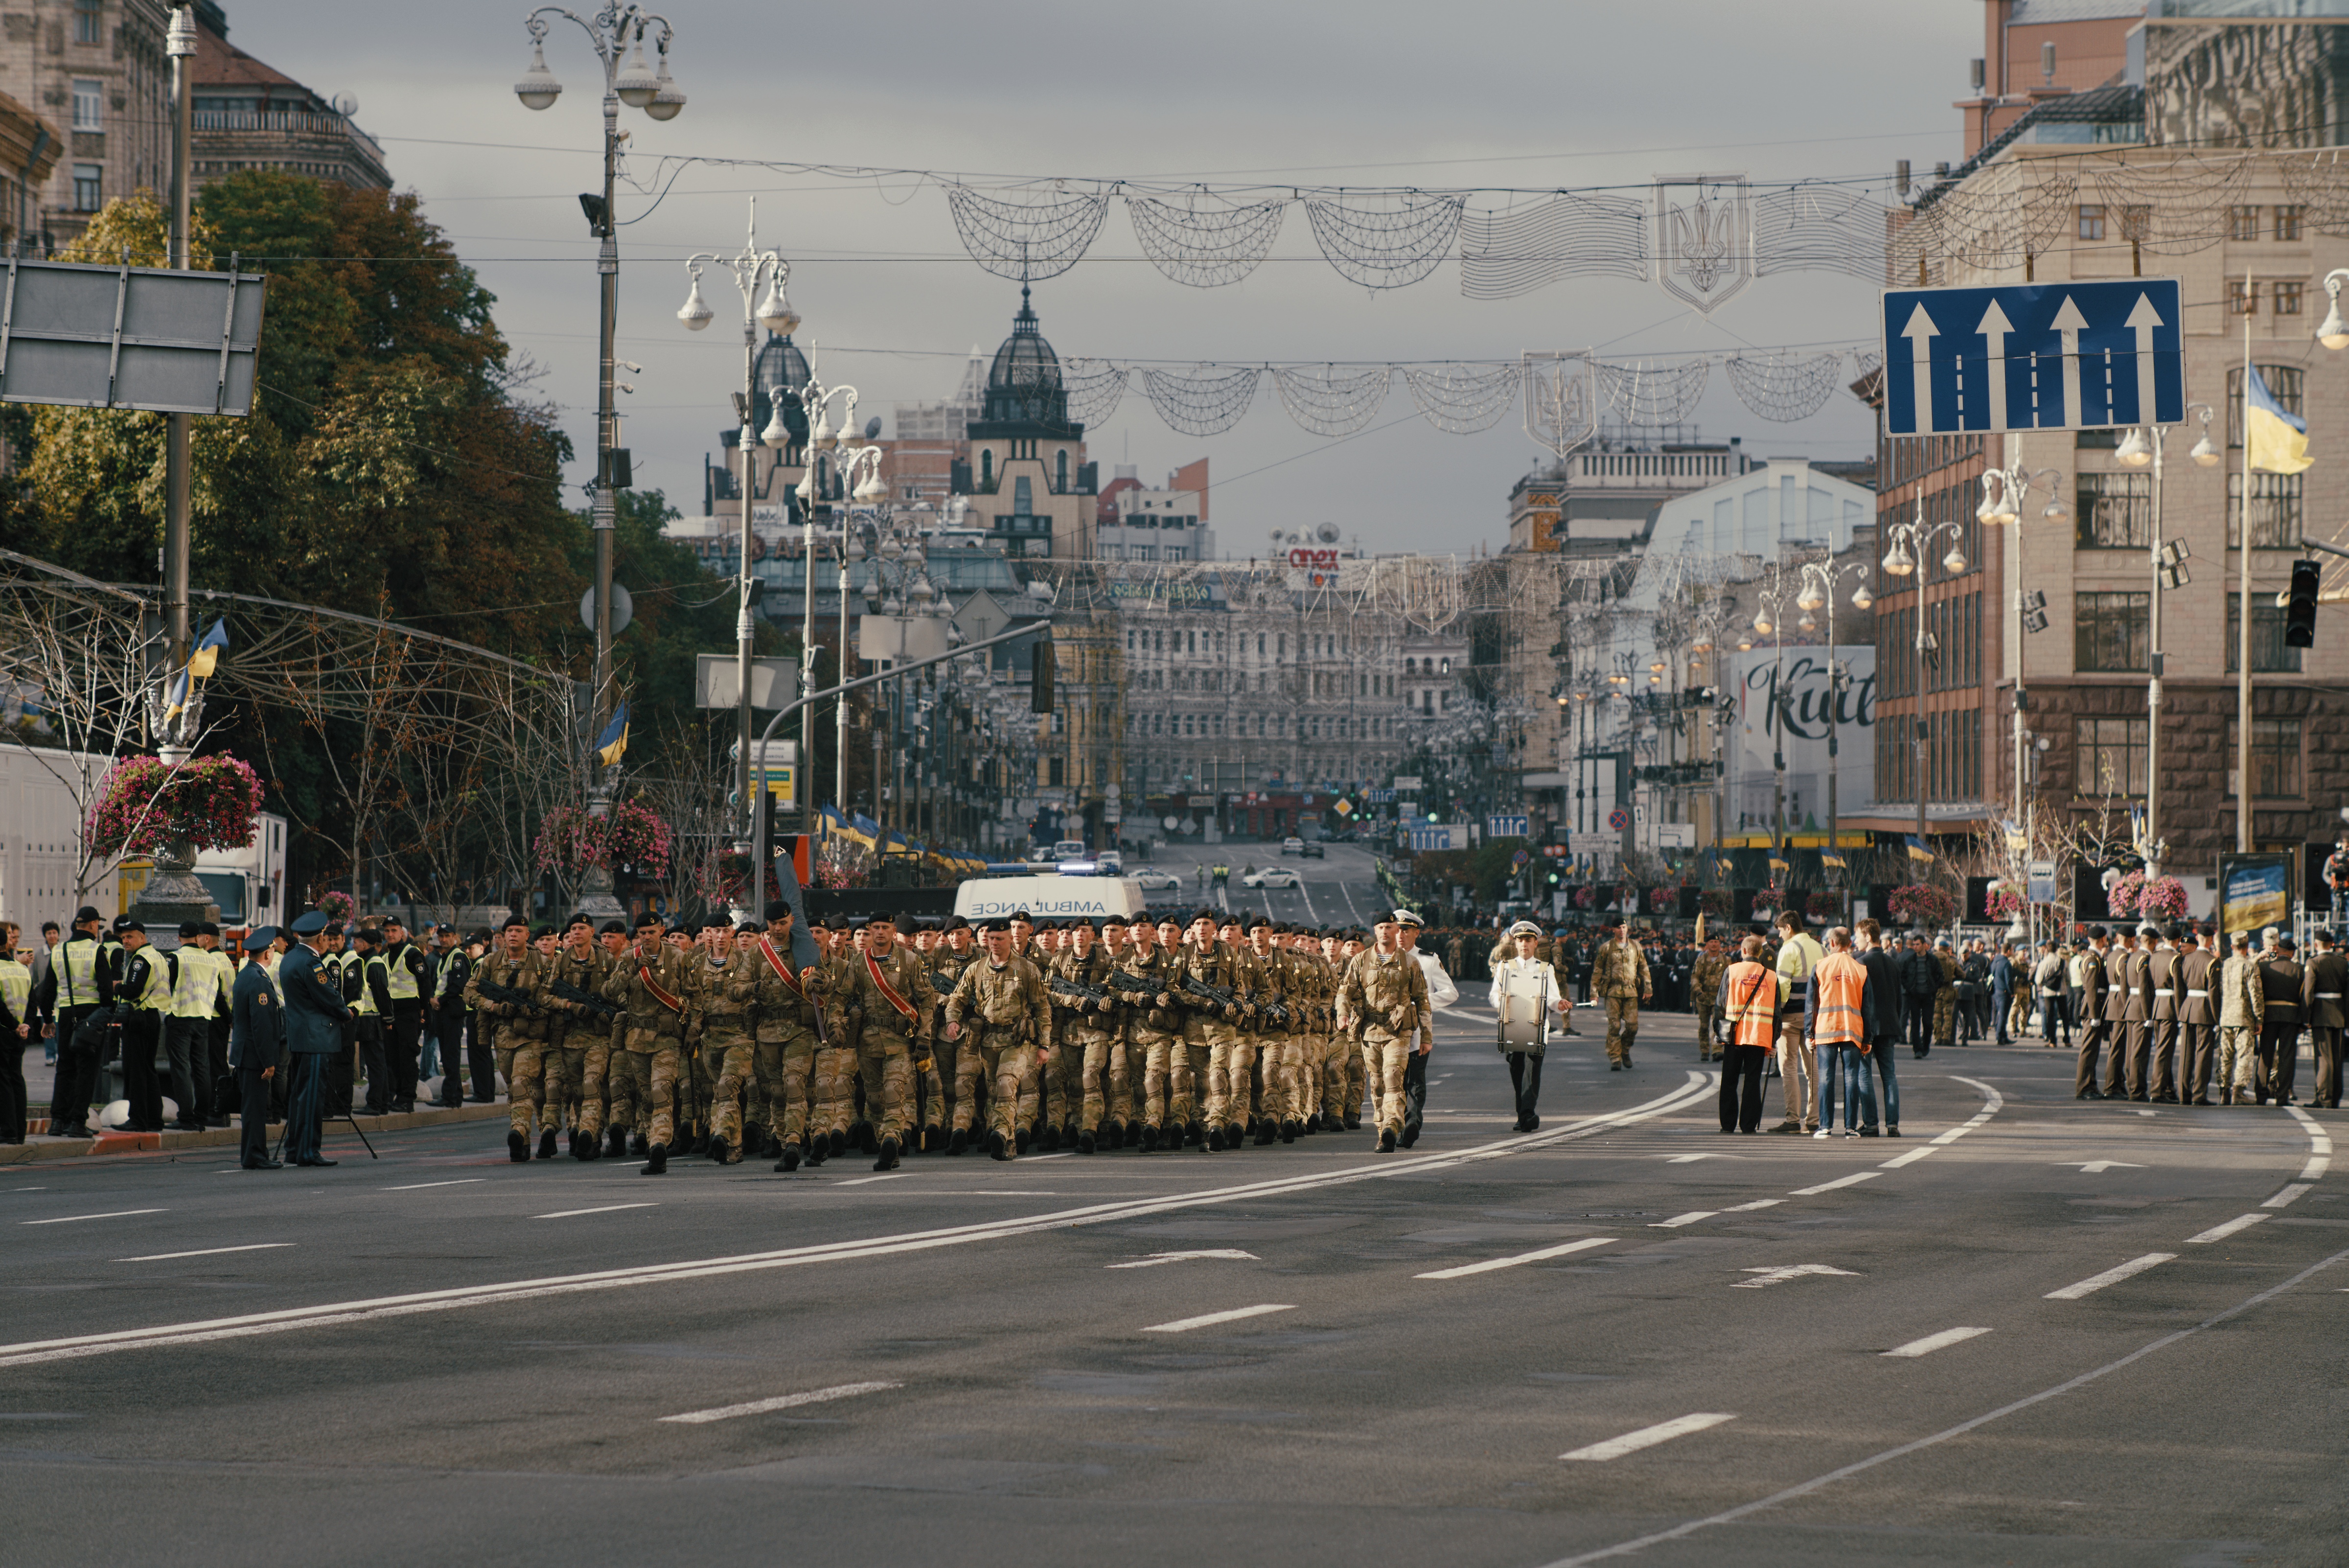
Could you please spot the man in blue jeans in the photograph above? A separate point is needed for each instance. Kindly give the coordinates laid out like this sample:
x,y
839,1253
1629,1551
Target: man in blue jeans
x,y
1884,1017
1835,1017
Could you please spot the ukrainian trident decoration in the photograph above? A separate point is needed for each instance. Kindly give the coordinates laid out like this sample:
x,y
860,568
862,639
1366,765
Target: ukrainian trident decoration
x,y
1703,236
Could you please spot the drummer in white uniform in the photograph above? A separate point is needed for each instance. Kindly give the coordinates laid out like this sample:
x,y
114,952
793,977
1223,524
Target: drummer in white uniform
x,y
1526,1002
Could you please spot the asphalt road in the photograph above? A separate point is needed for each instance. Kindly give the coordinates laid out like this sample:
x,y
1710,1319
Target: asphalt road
x,y
1624,1332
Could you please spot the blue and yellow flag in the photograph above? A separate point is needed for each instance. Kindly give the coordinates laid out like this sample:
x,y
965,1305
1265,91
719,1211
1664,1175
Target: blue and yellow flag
x,y
612,743
1916,850
176,697
1776,863
1832,860
206,657
2277,441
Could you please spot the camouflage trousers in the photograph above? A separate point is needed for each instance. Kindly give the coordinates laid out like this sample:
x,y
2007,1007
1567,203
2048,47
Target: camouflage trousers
x,y
697,1085
1337,1052
2239,1058
885,1064
834,1107
1357,1073
1012,1073
1101,1072
594,1080
566,1070
1386,1061
642,1085
934,1085
1231,1077
1708,1017
732,1057
784,1068
1622,1025
524,1067
1945,1015
1063,1078
1155,1053
972,1079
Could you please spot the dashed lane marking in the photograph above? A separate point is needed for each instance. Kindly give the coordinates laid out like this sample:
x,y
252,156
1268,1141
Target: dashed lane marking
x,y
1648,1437
111,1214
783,1402
1208,1320
2220,1232
421,1185
1933,1342
607,1209
1156,1259
1486,1267
1677,1220
206,1252
1851,1180
2112,1276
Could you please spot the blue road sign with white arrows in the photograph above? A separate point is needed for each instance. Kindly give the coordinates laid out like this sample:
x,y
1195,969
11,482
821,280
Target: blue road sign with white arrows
x,y
2054,356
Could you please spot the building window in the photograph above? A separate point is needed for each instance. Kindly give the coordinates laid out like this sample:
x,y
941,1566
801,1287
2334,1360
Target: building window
x,y
1023,497
2092,222
2109,632
2275,758
2271,655
2288,220
87,24
2115,511
1061,474
89,105
2288,297
2284,383
2275,511
987,470
2242,296
2243,223
2111,753
90,181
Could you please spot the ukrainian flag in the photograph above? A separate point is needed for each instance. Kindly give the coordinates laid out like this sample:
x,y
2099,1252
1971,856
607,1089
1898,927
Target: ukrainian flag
x,y
2278,442
206,657
1916,850
1830,859
612,743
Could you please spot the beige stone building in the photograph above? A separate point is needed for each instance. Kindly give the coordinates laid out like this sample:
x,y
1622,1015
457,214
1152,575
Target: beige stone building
x,y
96,70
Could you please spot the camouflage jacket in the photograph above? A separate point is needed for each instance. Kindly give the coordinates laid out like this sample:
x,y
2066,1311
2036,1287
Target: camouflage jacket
x,y
1621,970
909,976
1231,968
1159,967
1095,1023
1388,994
649,1021
785,1011
1705,979
1010,1000
730,998
572,1021
528,972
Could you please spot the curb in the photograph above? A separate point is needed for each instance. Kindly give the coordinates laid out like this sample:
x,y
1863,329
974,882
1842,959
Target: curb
x,y
41,1147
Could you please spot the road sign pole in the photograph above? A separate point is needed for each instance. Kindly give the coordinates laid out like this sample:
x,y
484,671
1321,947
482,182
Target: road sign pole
x,y
181,45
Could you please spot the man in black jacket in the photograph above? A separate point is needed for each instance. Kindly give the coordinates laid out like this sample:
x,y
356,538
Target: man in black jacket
x,y
1920,976
256,1049
1885,1014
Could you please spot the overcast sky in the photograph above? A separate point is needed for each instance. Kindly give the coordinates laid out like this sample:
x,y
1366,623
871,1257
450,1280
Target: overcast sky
x,y
1326,91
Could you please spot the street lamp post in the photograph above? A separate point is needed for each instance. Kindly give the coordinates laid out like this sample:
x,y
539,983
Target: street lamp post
x,y
615,27
1909,543
774,312
2136,450
2005,491
1821,579
1767,622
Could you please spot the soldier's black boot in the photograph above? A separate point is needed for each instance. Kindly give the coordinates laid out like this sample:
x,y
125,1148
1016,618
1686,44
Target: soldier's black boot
x,y
1289,1132
585,1145
638,1147
957,1141
1149,1139
1019,1135
1216,1140
934,1138
1133,1135
995,1145
868,1138
1267,1129
791,1160
1354,1121
546,1143
655,1160
889,1150
1195,1135
616,1143
1084,1143
839,1141
1048,1138
716,1150
1386,1142
518,1148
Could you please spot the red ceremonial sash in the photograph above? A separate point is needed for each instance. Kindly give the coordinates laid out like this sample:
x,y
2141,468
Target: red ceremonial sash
x,y
663,997
782,971
888,992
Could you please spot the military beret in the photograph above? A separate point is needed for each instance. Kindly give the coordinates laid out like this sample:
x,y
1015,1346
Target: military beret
x,y
999,924
2096,933
311,924
749,929
646,919
1261,924
605,930
955,923
883,919
779,908
1023,915
2149,929
513,921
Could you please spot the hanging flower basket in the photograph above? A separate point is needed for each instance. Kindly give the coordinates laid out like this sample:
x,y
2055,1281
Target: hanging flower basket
x,y
1663,901
2005,901
1922,904
570,842
2163,897
1715,901
1824,905
2122,896
336,905
144,805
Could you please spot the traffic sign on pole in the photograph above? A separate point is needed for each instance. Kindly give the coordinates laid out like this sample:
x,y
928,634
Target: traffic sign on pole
x,y
2057,356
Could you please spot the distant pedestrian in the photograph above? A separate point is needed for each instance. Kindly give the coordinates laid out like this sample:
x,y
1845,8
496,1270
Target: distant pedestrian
x,y
1885,1003
256,1050
1749,1014
1835,1022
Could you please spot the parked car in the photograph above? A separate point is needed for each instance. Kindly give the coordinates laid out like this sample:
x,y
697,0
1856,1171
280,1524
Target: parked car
x,y
1273,876
1069,849
1311,849
1152,880
1110,864
1292,847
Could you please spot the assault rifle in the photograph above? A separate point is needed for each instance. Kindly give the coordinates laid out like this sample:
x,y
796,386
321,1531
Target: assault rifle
x,y
1274,1010
595,1004
943,985
510,996
1132,985
1077,990
1216,994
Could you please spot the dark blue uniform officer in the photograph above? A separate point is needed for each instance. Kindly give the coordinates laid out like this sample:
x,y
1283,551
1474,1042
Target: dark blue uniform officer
x,y
315,1014
256,1048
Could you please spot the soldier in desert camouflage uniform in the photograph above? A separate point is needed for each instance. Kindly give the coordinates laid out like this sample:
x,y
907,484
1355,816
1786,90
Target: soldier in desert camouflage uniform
x,y
786,1023
1705,997
1004,998
520,1029
1619,975
1385,992
730,1038
890,988
660,987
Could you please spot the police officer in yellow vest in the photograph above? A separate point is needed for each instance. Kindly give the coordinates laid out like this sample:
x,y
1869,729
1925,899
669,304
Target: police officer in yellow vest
x,y
85,984
18,1030
407,976
199,990
367,987
140,1001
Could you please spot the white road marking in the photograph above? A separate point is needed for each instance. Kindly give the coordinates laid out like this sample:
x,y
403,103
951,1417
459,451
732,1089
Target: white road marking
x,y
1184,1325
2317,1166
607,1209
1698,1088
421,1185
2095,1282
1677,1220
206,1252
1933,1342
1757,1203
1648,1437
2220,1232
1781,1274
1033,1159
1488,1266
783,1402
1911,1158
113,1214
1851,1180
2098,1167
1902,1450
893,1176
1156,1259
1692,1159
2287,1196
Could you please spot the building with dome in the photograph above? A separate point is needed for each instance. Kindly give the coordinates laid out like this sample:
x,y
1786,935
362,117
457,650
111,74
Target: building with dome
x,y
1027,475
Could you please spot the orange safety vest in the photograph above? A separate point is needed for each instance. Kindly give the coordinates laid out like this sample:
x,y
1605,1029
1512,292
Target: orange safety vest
x,y
1751,993
1840,979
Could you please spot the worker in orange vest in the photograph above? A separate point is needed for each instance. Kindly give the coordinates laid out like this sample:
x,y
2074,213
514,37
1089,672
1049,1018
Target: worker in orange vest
x,y
1750,993
1835,1017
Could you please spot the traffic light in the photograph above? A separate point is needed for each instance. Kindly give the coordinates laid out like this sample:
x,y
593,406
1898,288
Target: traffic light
x,y
1040,695
2300,607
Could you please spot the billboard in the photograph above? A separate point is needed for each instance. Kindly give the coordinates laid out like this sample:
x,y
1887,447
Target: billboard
x,y
1800,680
2254,892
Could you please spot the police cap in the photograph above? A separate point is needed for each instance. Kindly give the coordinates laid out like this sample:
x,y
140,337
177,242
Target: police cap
x,y
311,924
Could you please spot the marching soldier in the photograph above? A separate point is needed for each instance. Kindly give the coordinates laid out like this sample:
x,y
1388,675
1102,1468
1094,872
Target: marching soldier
x,y
2280,982
2198,1019
1157,1034
578,1041
1619,975
1705,997
728,1039
892,990
1385,992
2242,1008
788,1020
521,1026
2094,1027
1009,1010
658,987
2162,1029
1279,1049
1215,1029
2321,1005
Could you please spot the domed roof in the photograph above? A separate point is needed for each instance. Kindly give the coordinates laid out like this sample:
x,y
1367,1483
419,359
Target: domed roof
x,y
1024,384
780,366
